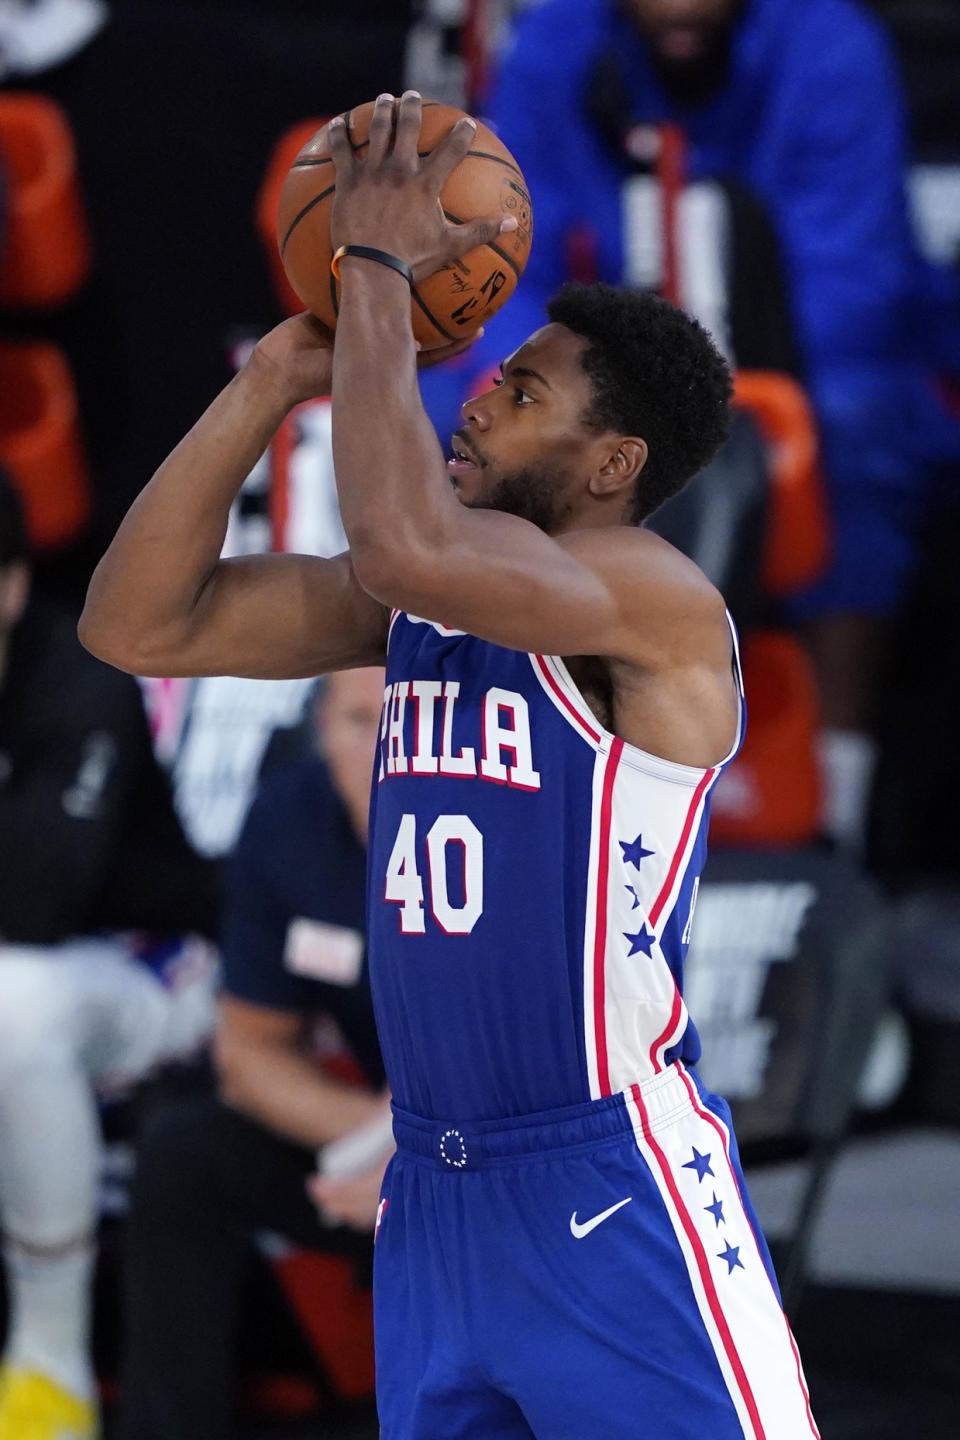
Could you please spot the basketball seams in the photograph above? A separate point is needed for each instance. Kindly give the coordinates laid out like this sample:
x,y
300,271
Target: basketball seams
x,y
312,160
418,300
305,211
497,159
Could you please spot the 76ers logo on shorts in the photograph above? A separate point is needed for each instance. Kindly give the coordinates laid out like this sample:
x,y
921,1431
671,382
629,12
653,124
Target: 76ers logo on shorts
x,y
380,1213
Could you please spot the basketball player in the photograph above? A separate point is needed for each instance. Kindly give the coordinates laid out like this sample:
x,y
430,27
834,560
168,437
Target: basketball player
x,y
566,1249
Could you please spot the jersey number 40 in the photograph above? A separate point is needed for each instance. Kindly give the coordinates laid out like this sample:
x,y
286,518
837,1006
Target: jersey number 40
x,y
404,883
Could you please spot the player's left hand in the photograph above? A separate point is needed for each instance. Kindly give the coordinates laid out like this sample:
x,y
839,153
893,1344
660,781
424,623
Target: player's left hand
x,y
391,200
297,357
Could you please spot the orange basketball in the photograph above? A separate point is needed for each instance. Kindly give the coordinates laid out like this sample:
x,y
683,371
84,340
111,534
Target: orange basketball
x,y
461,297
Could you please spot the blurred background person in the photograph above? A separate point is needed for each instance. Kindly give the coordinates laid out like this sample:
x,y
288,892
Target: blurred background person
x,y
798,109
35,34
96,884
213,1171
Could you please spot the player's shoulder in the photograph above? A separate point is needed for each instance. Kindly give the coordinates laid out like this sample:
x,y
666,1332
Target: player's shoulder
x,y
632,557
669,613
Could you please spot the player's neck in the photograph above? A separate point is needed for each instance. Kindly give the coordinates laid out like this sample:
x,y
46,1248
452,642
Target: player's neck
x,y
597,517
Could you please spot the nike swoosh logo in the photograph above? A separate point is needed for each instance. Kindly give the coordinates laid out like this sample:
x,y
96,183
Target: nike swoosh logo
x,y
578,1229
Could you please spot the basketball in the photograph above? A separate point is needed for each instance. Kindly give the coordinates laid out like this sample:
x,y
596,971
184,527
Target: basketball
x,y
451,304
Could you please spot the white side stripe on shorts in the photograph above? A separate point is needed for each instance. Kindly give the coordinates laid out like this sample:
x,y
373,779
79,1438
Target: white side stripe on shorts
x,y
717,1124
737,1303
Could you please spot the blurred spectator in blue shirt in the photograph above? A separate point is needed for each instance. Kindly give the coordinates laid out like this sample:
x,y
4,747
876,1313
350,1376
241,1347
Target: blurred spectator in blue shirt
x,y
800,104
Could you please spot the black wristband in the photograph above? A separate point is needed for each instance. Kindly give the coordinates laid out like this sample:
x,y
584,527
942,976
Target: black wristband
x,y
365,252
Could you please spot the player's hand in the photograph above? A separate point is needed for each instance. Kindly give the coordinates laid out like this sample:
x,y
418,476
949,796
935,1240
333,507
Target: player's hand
x,y
350,1201
390,200
296,356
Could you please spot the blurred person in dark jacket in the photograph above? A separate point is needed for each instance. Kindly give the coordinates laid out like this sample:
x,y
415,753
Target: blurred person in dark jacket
x,y
213,1171
103,974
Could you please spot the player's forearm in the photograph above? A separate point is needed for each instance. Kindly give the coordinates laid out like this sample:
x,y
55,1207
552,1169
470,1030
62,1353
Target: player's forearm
x,y
397,505
284,1091
146,588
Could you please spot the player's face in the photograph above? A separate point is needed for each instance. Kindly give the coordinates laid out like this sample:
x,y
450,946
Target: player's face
x,y
523,447
682,30
349,716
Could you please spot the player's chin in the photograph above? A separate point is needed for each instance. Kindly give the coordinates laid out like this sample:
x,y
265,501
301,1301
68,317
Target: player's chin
x,y
469,484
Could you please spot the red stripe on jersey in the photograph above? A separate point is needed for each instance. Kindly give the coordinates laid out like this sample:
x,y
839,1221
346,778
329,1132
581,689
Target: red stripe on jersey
x,y
600,934
662,898
712,1120
571,709
671,1025
703,1266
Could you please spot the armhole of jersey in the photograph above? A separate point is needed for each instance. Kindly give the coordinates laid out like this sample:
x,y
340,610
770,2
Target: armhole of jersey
x,y
557,685
561,689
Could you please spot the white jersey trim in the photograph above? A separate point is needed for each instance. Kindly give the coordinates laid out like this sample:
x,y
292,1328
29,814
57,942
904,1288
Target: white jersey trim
x,y
740,1310
434,624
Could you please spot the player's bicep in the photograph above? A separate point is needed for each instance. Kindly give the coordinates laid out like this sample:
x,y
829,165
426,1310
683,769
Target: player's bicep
x,y
279,617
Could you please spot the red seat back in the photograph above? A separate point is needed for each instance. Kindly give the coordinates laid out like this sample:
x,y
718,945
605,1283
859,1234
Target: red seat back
x,y
40,442
46,251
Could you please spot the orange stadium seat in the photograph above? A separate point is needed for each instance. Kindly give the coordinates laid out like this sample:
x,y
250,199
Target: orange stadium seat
x,y
771,794
46,251
40,442
797,541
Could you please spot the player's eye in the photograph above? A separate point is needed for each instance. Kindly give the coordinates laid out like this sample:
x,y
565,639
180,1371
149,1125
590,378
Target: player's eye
x,y
520,397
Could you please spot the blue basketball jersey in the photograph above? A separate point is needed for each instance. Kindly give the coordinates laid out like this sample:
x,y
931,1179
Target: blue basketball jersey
x,y
531,887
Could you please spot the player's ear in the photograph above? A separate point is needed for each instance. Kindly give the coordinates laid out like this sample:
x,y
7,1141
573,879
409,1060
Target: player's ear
x,y
621,467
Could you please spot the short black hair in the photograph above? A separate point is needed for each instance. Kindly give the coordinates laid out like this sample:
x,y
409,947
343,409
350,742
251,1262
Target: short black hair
x,y
14,544
655,373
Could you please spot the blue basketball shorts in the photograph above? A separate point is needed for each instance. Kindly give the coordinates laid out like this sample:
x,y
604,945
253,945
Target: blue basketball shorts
x,y
582,1273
